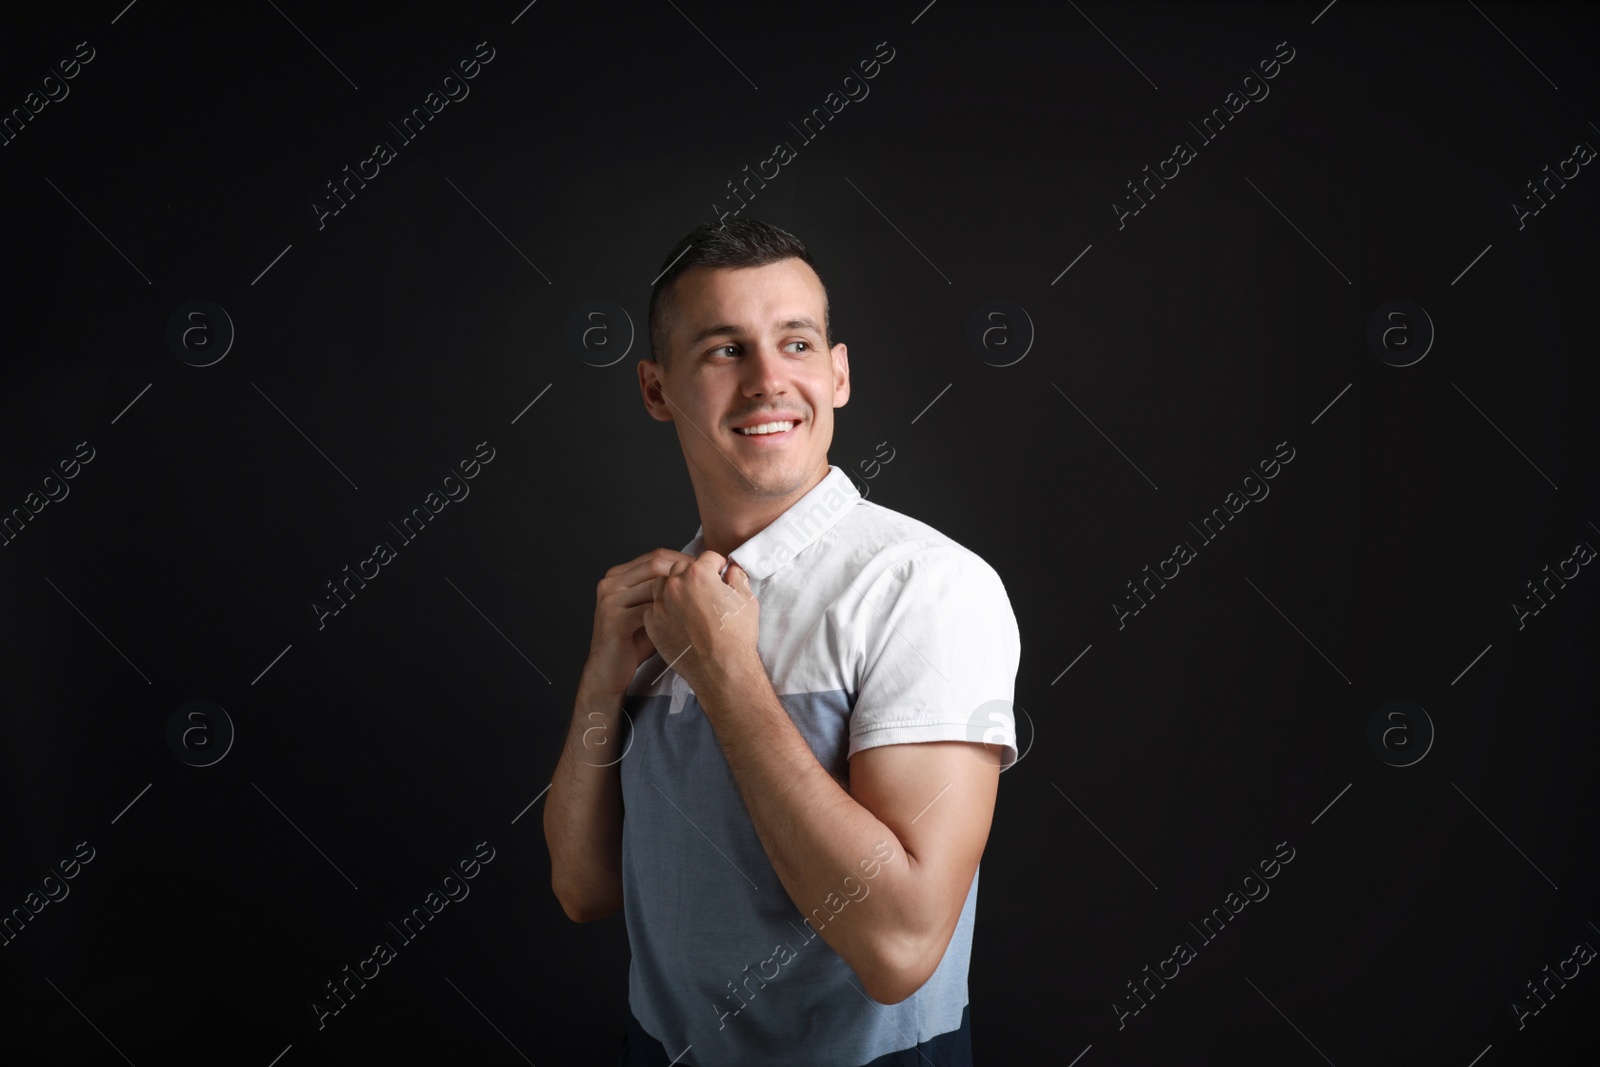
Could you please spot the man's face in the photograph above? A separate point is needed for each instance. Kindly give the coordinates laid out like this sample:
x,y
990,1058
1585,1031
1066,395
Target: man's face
x,y
747,349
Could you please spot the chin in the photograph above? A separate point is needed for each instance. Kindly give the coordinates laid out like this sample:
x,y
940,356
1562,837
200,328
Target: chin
x,y
779,475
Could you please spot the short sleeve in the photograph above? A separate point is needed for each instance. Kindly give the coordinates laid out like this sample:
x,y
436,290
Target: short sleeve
x,y
941,655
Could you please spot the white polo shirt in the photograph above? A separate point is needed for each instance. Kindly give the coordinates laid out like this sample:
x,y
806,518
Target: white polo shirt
x,y
876,629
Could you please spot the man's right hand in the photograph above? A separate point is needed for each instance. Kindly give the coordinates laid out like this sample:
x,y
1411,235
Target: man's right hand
x,y
583,813
619,643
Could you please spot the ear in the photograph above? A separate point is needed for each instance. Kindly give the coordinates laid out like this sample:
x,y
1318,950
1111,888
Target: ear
x,y
841,375
651,378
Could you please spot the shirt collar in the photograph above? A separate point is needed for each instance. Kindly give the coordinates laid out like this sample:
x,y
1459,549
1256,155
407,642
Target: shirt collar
x,y
785,537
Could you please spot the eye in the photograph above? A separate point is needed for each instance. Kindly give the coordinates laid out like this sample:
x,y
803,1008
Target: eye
x,y
806,343
720,348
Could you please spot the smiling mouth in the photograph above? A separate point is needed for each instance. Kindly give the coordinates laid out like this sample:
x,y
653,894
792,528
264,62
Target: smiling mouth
x,y
771,437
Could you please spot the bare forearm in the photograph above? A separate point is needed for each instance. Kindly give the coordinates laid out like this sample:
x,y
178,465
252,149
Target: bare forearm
x,y
829,851
583,811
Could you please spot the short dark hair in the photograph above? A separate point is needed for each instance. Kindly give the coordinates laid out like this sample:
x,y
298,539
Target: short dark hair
x,y
732,243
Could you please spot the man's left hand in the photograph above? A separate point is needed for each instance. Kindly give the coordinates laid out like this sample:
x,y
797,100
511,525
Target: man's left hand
x,y
704,624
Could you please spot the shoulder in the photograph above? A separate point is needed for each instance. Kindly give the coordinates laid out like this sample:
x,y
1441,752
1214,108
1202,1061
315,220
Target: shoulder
x,y
894,549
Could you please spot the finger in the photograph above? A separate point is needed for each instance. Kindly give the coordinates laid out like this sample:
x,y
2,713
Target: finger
x,y
652,554
642,593
657,560
646,592
661,560
629,622
634,580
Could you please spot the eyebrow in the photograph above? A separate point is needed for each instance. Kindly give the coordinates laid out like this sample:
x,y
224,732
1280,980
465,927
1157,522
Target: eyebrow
x,y
726,329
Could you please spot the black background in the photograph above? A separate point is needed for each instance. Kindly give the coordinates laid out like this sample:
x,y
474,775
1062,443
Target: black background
x,y
1229,715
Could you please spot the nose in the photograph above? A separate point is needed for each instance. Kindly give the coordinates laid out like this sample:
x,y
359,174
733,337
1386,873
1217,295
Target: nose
x,y
765,373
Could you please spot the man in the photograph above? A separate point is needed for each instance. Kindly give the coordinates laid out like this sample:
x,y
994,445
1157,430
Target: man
x,y
798,711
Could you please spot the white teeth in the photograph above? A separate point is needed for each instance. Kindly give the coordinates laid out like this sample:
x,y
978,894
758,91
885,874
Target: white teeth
x,y
767,427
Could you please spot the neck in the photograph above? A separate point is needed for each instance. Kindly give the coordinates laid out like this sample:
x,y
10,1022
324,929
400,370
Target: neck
x,y
730,521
